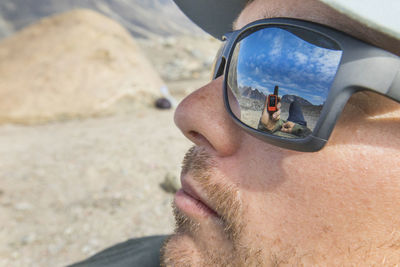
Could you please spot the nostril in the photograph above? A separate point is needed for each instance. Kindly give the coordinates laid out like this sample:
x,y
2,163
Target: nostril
x,y
199,139
193,134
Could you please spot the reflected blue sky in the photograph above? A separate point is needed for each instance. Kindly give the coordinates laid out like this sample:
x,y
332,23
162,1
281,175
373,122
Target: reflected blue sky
x,y
273,56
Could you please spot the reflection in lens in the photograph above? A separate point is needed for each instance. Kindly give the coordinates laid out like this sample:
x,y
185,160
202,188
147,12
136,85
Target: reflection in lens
x,y
280,79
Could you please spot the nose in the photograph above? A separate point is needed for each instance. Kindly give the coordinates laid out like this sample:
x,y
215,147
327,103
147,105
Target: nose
x,y
202,118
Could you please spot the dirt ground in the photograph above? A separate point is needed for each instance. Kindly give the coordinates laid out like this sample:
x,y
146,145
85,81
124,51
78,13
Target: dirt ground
x,y
70,189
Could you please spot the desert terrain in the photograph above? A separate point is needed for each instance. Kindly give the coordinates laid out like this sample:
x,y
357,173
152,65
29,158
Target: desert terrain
x,y
86,160
251,111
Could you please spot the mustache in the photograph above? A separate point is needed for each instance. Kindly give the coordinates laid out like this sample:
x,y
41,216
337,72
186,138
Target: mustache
x,y
198,162
224,198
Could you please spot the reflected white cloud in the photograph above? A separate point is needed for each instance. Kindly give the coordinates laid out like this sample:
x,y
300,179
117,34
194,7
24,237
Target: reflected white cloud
x,y
275,56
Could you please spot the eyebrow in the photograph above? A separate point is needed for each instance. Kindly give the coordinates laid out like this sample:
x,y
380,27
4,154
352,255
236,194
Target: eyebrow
x,y
267,15
350,26
234,23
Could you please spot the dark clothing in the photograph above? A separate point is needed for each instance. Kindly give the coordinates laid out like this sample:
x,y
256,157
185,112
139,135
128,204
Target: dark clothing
x,y
296,114
141,252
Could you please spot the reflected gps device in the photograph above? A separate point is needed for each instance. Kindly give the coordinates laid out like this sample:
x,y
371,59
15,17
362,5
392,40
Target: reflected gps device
x,y
272,101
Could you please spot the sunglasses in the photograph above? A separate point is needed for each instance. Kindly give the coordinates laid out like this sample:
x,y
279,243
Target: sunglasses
x,y
287,81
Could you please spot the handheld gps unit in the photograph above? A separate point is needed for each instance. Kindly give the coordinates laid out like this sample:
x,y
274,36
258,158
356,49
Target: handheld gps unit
x,y
272,101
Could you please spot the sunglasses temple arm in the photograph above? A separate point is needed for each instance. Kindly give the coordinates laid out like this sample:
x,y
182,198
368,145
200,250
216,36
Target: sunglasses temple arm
x,y
219,70
220,67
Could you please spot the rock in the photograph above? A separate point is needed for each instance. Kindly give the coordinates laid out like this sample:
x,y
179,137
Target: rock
x,y
55,248
23,206
169,42
15,255
28,239
196,54
73,65
170,183
163,103
68,231
207,63
165,92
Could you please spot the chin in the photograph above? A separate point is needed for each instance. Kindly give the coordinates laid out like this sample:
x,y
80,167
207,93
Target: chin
x,y
180,250
205,245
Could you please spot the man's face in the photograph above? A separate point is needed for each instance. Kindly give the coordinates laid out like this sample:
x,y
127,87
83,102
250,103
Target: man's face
x,y
247,203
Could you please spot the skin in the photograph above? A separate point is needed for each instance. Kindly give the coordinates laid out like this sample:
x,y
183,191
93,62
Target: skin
x,y
287,127
336,207
269,120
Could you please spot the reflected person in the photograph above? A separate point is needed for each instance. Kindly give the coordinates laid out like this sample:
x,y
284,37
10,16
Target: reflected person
x,y
294,127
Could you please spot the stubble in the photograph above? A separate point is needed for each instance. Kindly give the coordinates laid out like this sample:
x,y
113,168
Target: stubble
x,y
181,249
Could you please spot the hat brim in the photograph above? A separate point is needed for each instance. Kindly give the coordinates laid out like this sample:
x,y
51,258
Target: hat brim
x,y
213,16
217,16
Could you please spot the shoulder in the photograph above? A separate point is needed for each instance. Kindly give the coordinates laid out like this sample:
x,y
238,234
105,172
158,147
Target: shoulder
x,y
133,252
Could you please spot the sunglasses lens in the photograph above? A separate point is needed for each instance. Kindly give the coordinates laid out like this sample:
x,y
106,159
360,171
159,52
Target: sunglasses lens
x,y
279,78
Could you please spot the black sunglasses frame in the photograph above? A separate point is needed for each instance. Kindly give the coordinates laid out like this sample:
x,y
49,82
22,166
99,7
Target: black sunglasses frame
x,y
362,67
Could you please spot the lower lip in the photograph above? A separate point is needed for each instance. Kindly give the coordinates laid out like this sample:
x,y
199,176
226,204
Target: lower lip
x,y
192,206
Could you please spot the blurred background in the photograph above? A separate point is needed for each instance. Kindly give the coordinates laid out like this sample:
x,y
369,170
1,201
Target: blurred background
x,y
86,158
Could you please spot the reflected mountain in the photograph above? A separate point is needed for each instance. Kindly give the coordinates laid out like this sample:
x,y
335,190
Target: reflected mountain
x,y
293,98
253,93
144,19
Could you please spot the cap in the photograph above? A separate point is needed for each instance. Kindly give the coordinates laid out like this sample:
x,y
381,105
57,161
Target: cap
x,y
216,16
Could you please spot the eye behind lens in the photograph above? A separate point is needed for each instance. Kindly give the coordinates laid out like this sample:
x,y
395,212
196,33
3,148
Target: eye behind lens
x,y
286,65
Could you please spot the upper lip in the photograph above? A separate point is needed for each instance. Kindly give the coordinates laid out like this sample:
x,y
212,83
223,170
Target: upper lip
x,y
190,190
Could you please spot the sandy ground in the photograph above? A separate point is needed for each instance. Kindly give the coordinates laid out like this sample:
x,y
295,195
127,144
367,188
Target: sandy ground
x,y
68,190
71,188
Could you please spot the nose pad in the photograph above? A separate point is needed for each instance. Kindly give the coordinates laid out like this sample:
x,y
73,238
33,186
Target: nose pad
x,y
202,118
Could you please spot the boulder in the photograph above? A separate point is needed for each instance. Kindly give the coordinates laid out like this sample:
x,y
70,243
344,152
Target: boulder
x,y
75,64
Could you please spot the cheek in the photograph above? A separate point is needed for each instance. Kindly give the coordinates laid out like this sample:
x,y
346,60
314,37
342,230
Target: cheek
x,y
303,198
342,192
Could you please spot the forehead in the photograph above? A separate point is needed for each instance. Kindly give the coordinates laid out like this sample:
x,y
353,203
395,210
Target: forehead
x,y
314,11
310,10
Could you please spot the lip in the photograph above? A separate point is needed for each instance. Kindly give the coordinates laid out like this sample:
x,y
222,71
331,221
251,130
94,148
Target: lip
x,y
190,202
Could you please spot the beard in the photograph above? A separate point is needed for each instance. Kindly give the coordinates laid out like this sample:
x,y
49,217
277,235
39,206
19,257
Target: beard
x,y
191,245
